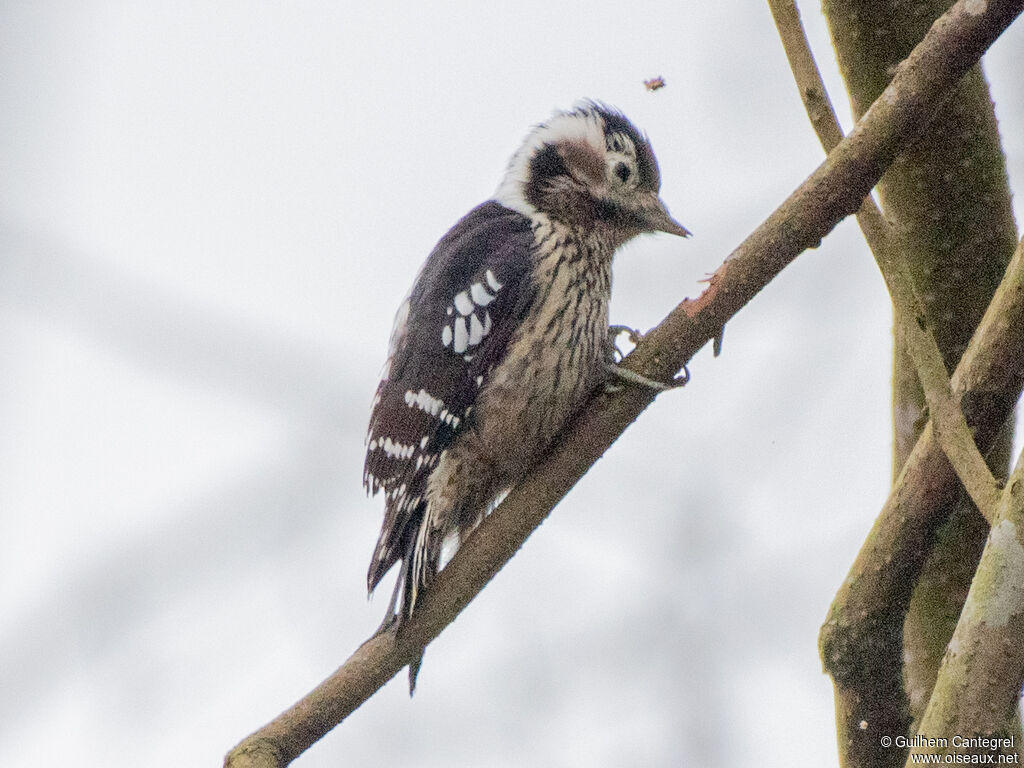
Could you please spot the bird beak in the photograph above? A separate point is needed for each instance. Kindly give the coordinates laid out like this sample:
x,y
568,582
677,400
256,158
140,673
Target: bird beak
x,y
659,220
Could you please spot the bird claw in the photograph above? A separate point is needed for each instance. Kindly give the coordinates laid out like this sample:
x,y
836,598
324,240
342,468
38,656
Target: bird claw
x,y
614,354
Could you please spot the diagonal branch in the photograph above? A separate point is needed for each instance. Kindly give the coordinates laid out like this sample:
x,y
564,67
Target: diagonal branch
x,y
948,419
832,192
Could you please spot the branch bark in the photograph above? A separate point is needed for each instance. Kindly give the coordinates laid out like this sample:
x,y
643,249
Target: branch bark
x,y
979,682
865,621
948,421
950,425
832,192
949,201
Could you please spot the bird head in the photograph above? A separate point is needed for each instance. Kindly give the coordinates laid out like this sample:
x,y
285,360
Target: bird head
x,y
591,169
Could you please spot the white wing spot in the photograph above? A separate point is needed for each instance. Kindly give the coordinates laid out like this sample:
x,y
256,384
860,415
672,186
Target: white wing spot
x,y
480,295
455,422
476,331
487,323
479,380
463,303
424,441
492,281
446,335
424,401
461,336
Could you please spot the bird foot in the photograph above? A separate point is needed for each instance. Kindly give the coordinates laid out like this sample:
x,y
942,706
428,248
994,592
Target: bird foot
x,y
624,374
613,354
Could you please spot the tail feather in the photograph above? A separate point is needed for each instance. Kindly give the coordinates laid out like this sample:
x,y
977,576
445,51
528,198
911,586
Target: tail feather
x,y
406,589
415,573
414,670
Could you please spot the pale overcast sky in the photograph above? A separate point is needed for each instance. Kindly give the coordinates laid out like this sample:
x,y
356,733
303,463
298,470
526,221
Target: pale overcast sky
x,y
208,215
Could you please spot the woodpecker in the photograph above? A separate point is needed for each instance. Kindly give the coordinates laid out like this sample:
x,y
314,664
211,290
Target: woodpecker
x,y
503,336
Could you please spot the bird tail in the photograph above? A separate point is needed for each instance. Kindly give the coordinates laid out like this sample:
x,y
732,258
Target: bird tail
x,y
395,616
417,568
414,670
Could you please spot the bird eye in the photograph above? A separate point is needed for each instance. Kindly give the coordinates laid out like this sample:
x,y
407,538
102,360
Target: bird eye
x,y
622,171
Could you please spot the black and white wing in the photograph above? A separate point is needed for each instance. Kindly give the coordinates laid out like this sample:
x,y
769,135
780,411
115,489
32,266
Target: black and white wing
x,y
451,331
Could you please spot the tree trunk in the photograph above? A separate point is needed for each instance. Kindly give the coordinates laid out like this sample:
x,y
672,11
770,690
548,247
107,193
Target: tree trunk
x,y
948,199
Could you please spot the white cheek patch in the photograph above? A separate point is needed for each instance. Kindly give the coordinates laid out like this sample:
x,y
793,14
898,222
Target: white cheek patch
x,y
470,321
581,125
